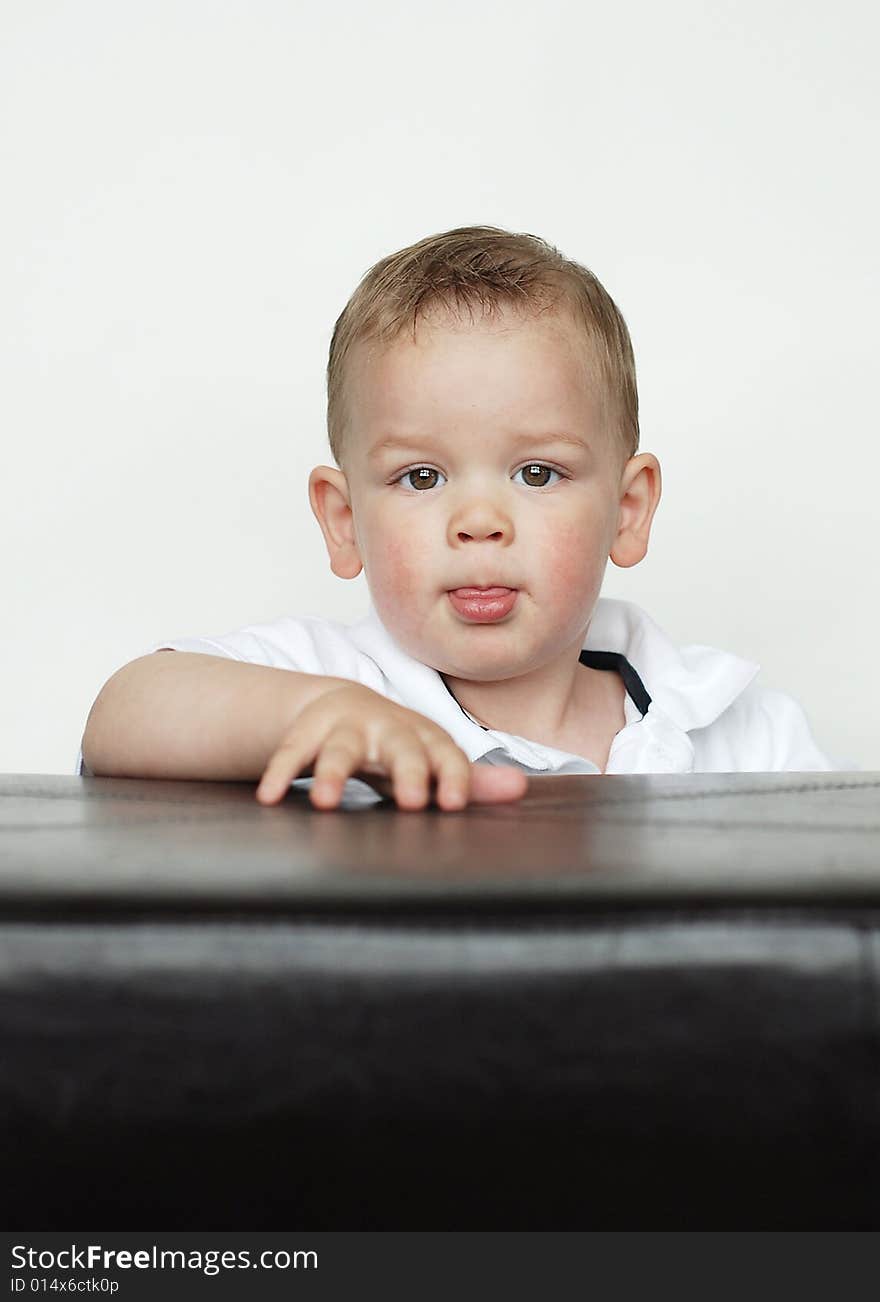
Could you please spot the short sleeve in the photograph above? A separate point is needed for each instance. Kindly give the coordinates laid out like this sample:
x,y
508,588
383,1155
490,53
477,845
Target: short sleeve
x,y
763,731
306,644
791,745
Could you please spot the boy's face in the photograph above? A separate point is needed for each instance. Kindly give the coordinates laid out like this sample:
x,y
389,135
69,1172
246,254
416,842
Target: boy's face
x,y
504,503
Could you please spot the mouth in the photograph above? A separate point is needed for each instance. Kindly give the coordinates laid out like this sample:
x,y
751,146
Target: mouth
x,y
483,605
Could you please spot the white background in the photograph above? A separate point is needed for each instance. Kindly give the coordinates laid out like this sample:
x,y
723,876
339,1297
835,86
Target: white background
x,y
192,189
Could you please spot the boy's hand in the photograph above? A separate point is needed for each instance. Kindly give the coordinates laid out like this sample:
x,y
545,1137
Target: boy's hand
x,y
353,731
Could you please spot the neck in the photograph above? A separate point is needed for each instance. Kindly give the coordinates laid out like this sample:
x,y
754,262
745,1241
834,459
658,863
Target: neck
x,y
542,704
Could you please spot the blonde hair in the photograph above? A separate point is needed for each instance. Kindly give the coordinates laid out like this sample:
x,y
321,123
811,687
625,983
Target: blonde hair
x,y
497,269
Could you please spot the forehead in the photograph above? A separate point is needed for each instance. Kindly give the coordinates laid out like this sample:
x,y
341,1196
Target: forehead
x,y
504,370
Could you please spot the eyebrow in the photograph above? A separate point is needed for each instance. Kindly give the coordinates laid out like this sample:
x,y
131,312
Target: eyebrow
x,y
555,437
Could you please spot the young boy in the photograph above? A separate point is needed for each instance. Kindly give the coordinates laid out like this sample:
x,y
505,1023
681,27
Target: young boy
x,y
483,413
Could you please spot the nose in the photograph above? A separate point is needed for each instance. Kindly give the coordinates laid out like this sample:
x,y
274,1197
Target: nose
x,y
480,520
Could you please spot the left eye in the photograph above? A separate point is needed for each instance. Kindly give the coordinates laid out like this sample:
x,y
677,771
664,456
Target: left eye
x,y
535,468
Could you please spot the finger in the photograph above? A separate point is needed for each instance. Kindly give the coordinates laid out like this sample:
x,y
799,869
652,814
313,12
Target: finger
x,y
286,763
453,770
495,784
409,764
343,751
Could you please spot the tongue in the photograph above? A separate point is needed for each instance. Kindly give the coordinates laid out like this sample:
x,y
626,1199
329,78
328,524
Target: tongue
x,y
482,592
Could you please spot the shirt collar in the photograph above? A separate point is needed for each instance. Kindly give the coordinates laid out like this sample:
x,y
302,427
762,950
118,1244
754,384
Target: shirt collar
x,y
689,687
692,685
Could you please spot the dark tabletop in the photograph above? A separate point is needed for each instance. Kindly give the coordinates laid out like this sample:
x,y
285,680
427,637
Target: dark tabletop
x,y
625,1001
109,844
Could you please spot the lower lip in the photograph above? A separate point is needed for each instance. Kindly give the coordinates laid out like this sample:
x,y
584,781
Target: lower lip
x,y
485,607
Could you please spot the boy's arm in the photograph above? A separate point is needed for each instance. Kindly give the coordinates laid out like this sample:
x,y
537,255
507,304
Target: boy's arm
x,y
185,715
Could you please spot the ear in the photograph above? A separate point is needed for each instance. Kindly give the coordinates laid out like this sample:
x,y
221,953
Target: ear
x,y
640,489
331,503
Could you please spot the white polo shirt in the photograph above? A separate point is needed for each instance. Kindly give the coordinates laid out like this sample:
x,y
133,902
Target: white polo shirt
x,y
690,709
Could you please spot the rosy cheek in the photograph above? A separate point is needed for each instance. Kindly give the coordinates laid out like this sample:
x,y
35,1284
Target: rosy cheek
x,y
396,576
573,565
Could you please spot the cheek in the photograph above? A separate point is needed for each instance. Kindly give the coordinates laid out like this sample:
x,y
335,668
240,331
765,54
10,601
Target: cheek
x,y
573,562
399,568
396,570
400,589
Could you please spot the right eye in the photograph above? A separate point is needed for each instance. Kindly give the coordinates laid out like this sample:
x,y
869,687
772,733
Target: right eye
x,y
423,478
